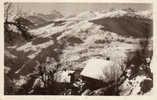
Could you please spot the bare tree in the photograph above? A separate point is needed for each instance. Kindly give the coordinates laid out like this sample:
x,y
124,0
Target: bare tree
x,y
7,9
10,9
18,20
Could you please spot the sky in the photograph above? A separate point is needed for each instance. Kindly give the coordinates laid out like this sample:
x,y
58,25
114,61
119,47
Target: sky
x,y
76,8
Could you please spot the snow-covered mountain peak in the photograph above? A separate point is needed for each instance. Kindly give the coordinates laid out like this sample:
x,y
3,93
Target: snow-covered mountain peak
x,y
145,14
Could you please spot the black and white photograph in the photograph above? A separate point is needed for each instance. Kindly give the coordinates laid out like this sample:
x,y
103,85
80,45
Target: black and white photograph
x,y
82,49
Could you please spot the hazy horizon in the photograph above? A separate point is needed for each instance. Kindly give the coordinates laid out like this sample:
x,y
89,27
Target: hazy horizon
x,y
75,8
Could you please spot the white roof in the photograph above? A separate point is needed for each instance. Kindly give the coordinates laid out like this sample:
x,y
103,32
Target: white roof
x,y
101,69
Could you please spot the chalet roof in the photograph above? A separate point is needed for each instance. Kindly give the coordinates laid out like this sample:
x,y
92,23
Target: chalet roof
x,y
101,69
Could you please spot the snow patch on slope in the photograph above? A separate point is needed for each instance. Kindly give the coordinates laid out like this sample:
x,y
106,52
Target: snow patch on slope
x,y
36,48
42,30
9,55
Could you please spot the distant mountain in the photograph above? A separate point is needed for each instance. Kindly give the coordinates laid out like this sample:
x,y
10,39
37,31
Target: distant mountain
x,y
40,19
125,12
145,14
50,16
126,25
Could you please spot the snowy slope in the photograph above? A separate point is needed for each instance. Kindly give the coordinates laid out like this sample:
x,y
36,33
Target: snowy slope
x,y
88,32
